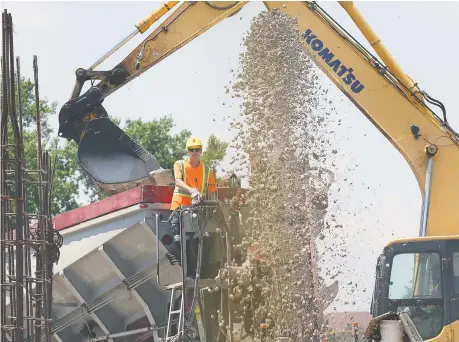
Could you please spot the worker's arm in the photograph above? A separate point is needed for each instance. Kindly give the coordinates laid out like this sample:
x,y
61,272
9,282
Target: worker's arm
x,y
178,178
182,185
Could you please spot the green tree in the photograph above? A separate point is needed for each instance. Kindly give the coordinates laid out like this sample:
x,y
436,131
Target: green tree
x,y
66,175
28,109
214,152
156,137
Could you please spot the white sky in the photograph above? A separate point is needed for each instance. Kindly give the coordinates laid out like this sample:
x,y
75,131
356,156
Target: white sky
x,y
383,201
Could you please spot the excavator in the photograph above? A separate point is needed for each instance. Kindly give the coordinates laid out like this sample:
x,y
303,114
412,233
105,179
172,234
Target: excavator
x,y
416,279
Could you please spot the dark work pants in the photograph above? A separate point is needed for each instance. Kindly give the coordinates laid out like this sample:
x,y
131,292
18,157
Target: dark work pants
x,y
192,246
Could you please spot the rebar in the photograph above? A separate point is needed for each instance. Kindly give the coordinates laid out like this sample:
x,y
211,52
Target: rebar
x,y
26,290
18,75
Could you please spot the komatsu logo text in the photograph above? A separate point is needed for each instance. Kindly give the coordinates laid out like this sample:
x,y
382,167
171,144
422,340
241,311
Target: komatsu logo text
x,y
340,69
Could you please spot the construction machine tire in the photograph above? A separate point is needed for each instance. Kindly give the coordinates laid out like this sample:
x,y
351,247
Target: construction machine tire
x,y
111,157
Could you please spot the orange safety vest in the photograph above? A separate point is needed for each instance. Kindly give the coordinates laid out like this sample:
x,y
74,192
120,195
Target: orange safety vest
x,y
198,178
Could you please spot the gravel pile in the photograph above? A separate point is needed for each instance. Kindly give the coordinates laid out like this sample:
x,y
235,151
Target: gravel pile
x,y
282,143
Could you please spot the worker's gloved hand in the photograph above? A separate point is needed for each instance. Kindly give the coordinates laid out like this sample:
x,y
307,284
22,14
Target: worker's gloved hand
x,y
195,197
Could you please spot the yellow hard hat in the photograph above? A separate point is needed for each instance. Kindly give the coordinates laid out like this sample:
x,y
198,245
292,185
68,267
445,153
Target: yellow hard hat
x,y
193,141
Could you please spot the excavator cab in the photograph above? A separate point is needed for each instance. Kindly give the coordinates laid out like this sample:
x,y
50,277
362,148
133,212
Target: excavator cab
x,y
418,277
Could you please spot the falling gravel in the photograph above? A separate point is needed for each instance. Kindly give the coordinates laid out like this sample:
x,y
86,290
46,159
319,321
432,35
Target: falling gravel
x,y
282,144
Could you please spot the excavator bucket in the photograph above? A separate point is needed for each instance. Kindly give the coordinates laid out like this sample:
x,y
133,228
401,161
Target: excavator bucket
x,y
115,161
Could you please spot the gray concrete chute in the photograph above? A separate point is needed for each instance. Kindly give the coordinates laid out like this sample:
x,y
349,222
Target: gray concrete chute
x,y
112,285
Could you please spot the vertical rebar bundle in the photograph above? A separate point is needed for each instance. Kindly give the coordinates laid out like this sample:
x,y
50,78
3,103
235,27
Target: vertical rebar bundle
x,y
29,245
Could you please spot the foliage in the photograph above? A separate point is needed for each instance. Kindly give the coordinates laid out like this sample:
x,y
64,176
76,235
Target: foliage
x,y
156,137
214,152
29,110
65,181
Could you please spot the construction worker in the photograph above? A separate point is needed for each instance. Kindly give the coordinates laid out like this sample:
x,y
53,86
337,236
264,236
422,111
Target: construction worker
x,y
193,181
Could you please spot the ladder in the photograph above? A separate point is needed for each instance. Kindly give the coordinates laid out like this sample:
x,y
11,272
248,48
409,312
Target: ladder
x,y
180,286
183,324
180,312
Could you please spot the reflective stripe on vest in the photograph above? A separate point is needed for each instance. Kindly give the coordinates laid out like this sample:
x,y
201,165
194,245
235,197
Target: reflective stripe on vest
x,y
205,177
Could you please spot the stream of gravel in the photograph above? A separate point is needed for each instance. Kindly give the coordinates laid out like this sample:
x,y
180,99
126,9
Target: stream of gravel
x,y
282,145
